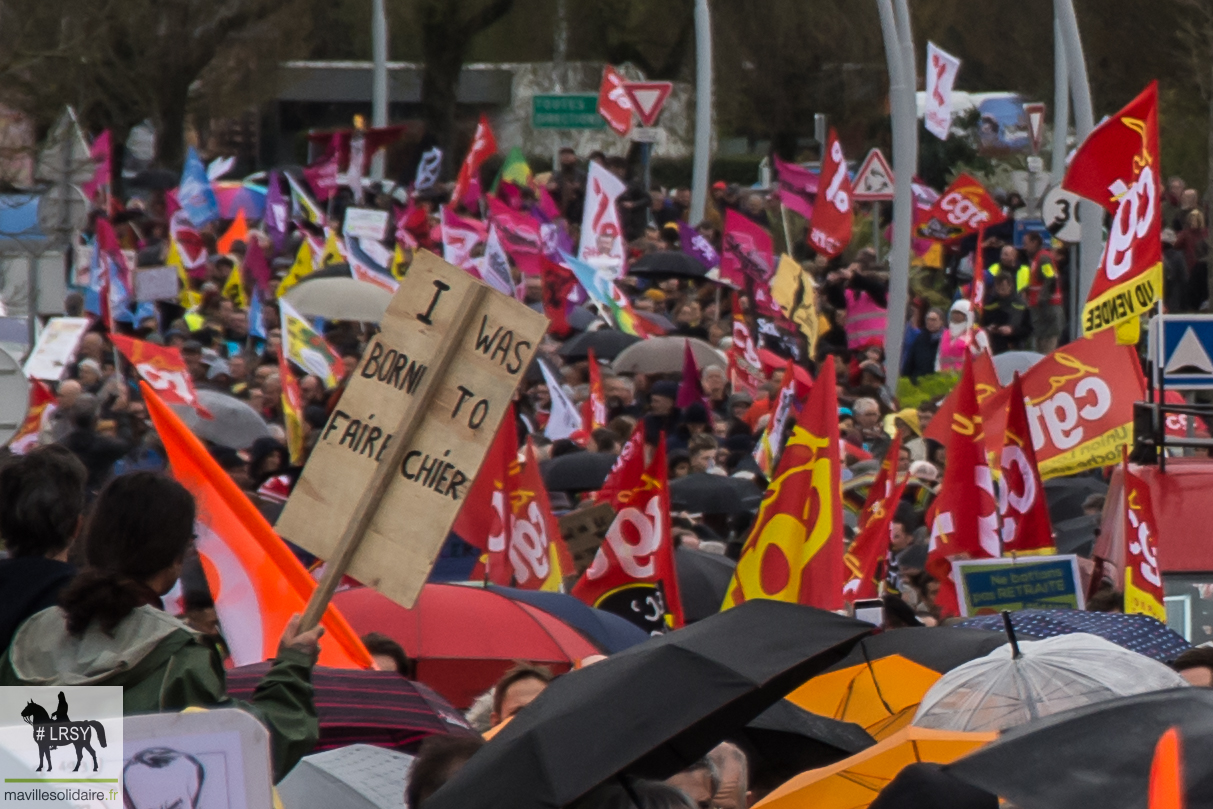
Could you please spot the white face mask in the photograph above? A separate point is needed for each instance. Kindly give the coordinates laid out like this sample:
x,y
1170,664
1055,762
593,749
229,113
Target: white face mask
x,y
957,329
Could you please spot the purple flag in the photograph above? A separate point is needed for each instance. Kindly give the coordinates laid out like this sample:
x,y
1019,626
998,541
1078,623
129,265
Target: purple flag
x,y
256,265
277,212
797,187
696,246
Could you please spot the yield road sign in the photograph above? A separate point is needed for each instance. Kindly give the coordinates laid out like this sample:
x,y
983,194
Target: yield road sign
x,y
648,97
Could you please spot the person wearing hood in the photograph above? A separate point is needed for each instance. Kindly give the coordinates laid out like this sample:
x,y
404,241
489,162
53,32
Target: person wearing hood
x,y
924,351
959,337
41,503
1006,317
110,627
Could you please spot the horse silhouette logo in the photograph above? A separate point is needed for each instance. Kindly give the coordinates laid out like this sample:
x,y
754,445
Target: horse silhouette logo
x,y
51,731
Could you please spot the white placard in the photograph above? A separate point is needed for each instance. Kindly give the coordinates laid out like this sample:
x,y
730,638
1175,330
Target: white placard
x,y
56,348
365,223
156,284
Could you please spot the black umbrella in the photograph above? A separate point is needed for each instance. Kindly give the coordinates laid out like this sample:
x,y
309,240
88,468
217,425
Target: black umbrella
x,y
704,493
667,263
1066,495
577,471
1076,535
651,710
155,179
703,579
605,342
1097,755
785,740
657,319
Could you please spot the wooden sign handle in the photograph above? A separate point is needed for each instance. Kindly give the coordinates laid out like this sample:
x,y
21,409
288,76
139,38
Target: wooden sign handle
x,y
402,438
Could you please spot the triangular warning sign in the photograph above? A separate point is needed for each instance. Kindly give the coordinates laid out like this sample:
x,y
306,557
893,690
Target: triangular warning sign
x,y
1189,357
647,98
874,181
1036,123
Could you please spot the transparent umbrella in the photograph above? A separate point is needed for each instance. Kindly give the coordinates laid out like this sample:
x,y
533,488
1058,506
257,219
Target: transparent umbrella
x,y
1020,682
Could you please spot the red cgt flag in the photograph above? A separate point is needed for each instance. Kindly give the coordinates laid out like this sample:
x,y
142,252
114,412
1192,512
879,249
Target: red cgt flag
x,y
633,573
963,208
1021,494
1143,578
484,145
163,368
964,518
529,552
613,103
481,521
871,544
26,437
594,408
833,215
795,549
1117,167
985,379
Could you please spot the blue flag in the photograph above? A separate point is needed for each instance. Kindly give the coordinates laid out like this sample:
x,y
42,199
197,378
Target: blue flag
x,y
195,194
256,317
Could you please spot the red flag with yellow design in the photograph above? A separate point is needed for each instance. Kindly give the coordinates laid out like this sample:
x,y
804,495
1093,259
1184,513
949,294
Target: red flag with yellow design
x,y
528,551
633,573
871,545
1117,166
964,518
795,550
163,368
594,409
985,378
292,408
1143,579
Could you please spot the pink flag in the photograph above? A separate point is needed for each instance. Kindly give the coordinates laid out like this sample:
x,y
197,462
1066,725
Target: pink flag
x,y
459,237
748,254
519,234
102,154
256,265
797,187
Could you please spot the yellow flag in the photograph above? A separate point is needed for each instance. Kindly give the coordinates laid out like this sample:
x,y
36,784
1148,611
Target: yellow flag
x,y
307,348
333,252
302,268
186,298
400,263
793,290
785,286
233,289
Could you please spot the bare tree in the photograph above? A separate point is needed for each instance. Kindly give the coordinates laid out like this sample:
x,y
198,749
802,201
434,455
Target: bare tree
x,y
1196,34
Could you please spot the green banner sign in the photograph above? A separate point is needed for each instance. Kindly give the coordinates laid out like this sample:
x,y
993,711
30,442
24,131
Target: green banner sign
x,y
566,111
988,586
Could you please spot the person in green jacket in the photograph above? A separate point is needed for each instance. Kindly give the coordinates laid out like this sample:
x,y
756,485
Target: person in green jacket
x,y
110,627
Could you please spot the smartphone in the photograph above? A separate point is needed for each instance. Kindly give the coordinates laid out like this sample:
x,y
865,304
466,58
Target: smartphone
x,y
870,610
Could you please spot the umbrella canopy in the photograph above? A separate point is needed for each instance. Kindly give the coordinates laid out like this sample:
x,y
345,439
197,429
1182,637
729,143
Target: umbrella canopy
x,y
1099,755
879,685
664,355
657,319
703,579
668,264
371,707
360,776
1076,535
464,638
704,493
855,782
233,422
607,343
785,740
1009,363
339,299
1138,633
1000,690
653,709
605,629
577,471
1066,495
234,196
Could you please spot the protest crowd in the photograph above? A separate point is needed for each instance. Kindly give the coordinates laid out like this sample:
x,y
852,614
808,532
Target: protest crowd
x,y
710,421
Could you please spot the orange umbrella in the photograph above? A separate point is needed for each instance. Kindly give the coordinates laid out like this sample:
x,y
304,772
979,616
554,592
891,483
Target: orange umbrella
x,y
855,782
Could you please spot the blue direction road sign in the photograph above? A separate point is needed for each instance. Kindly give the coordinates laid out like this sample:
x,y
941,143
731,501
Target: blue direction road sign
x,y
1184,345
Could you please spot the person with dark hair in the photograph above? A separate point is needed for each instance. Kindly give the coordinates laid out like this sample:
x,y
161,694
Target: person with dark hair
x,y
517,689
110,628
388,655
97,452
1196,666
41,508
439,758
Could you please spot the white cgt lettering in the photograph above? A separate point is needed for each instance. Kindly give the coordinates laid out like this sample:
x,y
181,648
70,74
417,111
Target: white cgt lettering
x,y
635,559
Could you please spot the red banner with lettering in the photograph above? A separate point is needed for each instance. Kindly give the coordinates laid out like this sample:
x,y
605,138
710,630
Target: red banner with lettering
x,y
1026,527
163,368
833,215
963,208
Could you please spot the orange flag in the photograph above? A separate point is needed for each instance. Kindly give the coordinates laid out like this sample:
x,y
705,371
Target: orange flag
x,y
795,550
871,545
964,517
1167,773
237,231
257,582
1143,579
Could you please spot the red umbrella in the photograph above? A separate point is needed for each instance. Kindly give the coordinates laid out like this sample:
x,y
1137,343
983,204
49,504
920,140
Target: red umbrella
x,y
464,638
367,707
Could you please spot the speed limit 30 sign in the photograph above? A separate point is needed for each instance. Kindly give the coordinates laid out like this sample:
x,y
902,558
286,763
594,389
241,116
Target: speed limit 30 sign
x,y
1059,210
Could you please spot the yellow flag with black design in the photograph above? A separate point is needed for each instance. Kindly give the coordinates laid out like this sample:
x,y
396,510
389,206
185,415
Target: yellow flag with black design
x,y
302,268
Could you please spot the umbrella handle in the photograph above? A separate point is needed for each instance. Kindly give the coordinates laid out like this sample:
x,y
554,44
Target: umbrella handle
x,y
1006,622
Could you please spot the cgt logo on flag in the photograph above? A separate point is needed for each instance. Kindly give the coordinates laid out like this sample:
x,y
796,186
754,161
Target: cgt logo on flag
x,y
61,743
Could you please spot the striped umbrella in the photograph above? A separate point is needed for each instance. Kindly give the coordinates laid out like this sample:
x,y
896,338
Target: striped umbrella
x,y
367,707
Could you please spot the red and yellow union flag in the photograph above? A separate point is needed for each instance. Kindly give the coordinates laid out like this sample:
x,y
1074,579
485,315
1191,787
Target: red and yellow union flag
x,y
1117,166
795,550
1143,577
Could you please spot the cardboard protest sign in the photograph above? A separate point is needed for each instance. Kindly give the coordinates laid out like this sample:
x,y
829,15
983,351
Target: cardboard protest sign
x,y
989,586
398,455
584,530
56,348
